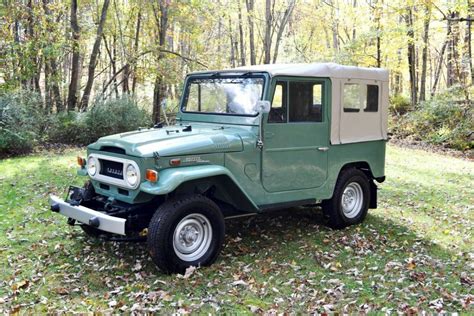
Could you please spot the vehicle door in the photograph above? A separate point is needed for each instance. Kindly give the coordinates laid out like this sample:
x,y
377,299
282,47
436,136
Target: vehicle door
x,y
296,135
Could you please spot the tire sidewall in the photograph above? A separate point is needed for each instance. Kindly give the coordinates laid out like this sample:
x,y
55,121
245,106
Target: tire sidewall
x,y
162,242
362,180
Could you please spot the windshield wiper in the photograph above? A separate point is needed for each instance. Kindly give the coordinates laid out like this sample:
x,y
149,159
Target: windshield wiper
x,y
247,74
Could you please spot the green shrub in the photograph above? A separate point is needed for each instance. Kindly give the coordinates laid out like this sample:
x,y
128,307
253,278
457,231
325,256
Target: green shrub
x,y
447,119
114,116
399,104
103,118
22,122
68,128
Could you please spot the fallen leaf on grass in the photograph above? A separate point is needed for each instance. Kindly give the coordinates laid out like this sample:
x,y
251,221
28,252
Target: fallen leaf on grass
x,y
189,271
240,282
465,279
411,264
255,309
62,291
20,285
418,276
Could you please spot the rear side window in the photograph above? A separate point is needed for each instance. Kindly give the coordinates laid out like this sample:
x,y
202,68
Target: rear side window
x,y
372,98
358,97
353,98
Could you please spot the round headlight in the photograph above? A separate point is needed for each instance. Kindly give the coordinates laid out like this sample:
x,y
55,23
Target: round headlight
x,y
132,175
91,166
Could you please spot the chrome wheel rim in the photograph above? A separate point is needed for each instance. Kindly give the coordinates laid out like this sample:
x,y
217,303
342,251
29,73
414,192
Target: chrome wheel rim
x,y
192,237
352,200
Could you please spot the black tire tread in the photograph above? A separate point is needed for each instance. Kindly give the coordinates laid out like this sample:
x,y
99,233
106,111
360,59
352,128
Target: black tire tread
x,y
91,231
331,207
158,232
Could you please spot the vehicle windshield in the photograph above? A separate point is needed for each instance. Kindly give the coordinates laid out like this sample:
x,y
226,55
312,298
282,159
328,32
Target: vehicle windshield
x,y
235,95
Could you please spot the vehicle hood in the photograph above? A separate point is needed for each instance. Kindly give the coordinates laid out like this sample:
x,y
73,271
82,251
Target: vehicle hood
x,y
174,141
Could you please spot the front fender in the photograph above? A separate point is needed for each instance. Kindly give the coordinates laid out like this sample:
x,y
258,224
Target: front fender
x,y
170,179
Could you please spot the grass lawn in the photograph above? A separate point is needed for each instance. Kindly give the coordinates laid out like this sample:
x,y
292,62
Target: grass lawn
x,y
415,252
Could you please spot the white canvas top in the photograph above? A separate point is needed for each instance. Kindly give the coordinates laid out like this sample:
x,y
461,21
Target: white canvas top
x,y
331,70
346,127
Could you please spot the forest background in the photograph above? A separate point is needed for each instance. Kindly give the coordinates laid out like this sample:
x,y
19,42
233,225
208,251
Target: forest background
x,y
72,71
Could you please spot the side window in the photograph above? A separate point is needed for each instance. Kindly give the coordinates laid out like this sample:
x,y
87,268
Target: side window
x,y
353,97
279,104
306,102
372,98
361,96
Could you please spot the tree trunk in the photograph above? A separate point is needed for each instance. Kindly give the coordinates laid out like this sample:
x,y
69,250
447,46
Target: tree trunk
x,y
453,30
55,90
36,64
250,12
232,46
113,63
48,102
398,84
469,38
424,54
241,33
334,27
93,59
466,74
411,56
354,26
159,91
75,67
135,50
52,93
378,13
267,42
283,22
440,65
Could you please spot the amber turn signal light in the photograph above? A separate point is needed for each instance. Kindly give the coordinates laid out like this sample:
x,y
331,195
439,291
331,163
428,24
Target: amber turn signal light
x,y
81,162
151,175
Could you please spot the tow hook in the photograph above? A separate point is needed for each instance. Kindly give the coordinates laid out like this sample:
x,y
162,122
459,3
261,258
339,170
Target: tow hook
x,y
71,221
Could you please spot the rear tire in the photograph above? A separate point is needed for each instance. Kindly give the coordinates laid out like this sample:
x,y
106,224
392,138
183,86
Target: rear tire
x,y
350,201
185,231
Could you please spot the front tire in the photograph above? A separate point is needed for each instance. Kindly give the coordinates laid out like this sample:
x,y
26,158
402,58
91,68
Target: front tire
x,y
350,202
185,231
91,231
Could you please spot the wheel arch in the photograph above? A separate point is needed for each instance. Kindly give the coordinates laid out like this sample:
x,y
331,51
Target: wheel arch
x,y
220,188
211,180
364,166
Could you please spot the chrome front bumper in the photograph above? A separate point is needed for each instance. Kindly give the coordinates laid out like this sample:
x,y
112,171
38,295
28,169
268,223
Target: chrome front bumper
x,y
88,216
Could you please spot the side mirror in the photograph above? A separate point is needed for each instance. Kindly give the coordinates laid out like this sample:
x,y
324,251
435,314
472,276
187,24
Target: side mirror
x,y
263,106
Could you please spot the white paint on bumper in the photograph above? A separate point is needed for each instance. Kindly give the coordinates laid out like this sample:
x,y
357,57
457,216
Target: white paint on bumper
x,y
83,214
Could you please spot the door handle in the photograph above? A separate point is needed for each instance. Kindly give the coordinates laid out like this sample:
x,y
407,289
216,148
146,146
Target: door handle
x,y
323,149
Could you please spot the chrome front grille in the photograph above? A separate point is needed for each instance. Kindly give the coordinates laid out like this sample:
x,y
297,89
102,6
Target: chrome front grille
x,y
112,170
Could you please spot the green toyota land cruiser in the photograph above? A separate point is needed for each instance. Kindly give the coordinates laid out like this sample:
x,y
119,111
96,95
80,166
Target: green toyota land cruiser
x,y
246,140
